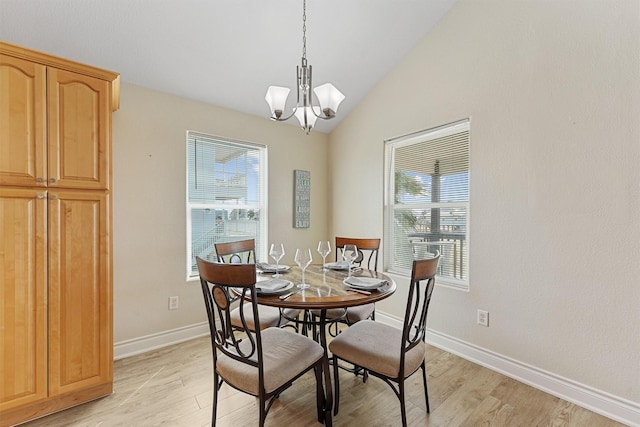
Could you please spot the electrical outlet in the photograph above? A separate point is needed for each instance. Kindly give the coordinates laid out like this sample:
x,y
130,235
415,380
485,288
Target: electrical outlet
x,y
174,303
483,318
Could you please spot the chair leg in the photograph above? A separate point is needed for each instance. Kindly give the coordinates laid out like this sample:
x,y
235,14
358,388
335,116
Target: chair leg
x,y
403,407
263,412
357,370
315,328
424,381
304,328
336,381
319,392
215,399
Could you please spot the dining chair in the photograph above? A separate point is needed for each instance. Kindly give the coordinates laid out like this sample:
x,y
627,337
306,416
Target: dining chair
x,y
386,352
244,251
240,251
367,258
367,255
256,361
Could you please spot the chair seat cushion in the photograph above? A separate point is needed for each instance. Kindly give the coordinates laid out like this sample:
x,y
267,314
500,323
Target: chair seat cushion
x,y
376,346
333,314
360,312
286,354
353,314
269,316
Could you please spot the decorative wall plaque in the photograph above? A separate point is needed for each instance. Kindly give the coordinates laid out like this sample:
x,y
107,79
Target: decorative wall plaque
x,y
301,199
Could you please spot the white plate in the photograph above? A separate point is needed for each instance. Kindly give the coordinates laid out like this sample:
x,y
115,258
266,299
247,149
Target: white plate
x,y
272,268
337,266
279,291
366,283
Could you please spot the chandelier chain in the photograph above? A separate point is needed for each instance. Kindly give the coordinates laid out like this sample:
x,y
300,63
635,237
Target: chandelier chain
x,y
304,29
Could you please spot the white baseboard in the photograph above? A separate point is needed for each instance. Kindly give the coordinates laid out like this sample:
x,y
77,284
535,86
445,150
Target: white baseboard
x,y
616,408
146,343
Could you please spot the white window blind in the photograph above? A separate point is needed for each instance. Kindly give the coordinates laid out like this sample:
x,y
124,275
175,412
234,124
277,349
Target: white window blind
x,y
226,195
427,201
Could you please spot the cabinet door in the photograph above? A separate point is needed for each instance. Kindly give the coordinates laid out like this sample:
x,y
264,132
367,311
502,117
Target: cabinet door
x,y
23,146
23,297
80,297
79,118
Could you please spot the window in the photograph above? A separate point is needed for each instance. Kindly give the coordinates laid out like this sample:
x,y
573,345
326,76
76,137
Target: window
x,y
226,195
427,201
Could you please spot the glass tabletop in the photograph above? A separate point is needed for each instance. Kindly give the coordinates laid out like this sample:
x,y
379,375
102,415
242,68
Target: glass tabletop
x,y
327,289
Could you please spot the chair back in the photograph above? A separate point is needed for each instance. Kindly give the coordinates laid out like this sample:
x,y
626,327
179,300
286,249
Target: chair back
x,y
367,248
423,280
221,283
241,251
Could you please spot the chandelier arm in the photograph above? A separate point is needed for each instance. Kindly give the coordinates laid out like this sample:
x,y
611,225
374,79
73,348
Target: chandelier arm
x,y
322,115
282,119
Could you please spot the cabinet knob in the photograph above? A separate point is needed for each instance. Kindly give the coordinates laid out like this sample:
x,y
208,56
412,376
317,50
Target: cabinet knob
x,y
52,180
40,196
53,197
39,179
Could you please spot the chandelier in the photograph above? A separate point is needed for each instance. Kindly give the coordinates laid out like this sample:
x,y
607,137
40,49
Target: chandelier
x,y
305,111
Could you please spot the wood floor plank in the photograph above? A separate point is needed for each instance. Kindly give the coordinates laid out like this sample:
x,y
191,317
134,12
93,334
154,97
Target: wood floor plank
x,y
173,387
467,397
490,412
567,414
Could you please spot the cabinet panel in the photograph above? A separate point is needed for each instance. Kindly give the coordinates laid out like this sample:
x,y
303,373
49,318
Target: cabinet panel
x,y
79,130
22,122
23,297
80,300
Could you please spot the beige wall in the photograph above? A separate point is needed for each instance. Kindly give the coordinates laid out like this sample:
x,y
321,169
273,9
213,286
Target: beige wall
x,y
149,213
552,89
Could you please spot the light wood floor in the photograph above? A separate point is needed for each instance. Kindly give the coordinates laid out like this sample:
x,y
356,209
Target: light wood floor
x,y
173,387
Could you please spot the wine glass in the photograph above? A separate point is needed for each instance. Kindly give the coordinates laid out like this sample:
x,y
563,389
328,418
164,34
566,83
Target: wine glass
x,y
349,254
303,259
277,252
324,248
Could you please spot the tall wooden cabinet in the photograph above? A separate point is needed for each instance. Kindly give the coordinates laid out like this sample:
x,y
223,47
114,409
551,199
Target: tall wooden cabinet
x,y
56,322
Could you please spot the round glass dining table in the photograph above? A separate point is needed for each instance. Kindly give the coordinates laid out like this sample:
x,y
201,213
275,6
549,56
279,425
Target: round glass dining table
x,y
326,291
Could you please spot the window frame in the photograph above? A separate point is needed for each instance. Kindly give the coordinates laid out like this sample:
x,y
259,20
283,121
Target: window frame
x,y
390,206
261,242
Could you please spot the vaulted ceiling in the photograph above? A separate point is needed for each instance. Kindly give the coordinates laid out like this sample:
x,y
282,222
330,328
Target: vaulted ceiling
x,y
227,52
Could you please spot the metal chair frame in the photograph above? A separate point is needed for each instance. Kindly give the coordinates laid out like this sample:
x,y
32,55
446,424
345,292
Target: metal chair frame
x,y
367,248
370,245
244,251
244,345
413,331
